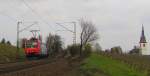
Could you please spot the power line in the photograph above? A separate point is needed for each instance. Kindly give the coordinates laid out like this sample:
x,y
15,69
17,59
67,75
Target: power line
x,y
33,11
27,27
10,17
74,32
13,5
64,27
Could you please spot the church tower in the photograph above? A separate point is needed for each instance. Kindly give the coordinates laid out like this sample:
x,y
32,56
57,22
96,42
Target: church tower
x,y
144,44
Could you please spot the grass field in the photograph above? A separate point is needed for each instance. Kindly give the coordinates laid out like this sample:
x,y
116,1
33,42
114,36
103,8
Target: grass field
x,y
98,65
8,53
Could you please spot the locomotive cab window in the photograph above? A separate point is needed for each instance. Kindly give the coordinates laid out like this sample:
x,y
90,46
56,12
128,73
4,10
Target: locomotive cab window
x,y
32,45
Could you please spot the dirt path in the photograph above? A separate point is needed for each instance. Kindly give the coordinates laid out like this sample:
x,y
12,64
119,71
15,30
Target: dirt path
x,y
58,68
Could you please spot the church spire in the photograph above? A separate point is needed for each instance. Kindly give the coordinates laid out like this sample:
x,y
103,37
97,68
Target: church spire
x,y
143,38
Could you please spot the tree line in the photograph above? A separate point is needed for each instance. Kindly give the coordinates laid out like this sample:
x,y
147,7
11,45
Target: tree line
x,y
3,41
88,36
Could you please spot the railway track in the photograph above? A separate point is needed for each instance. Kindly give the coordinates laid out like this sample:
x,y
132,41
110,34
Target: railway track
x,y
13,67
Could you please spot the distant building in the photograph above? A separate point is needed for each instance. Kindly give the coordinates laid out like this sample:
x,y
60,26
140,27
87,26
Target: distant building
x,y
144,48
116,50
135,51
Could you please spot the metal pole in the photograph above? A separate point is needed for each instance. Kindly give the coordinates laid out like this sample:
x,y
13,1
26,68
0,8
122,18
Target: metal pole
x,y
18,32
74,32
17,52
17,40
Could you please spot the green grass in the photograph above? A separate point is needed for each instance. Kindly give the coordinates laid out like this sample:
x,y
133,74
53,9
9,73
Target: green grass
x,y
8,53
108,67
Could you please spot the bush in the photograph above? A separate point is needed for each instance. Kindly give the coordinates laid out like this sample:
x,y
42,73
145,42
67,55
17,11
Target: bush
x,y
87,50
74,50
8,42
116,50
3,41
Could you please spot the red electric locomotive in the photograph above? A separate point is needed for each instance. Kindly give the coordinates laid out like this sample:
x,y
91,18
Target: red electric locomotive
x,y
34,47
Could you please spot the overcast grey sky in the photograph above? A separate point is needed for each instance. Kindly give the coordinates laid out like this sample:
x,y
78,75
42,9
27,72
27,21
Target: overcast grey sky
x,y
118,21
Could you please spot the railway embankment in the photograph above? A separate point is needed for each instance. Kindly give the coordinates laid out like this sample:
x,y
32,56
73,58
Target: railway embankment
x,y
19,66
8,54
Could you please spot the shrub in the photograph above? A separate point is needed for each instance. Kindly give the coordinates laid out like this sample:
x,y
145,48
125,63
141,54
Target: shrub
x,y
116,50
74,49
3,41
87,50
8,42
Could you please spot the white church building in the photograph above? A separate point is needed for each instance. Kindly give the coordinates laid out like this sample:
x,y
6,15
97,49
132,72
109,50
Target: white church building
x,y
144,45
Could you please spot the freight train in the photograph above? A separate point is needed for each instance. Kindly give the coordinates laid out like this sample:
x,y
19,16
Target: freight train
x,y
34,47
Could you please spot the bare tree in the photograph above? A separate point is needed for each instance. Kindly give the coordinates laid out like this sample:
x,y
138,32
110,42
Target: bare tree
x,y
88,33
54,44
49,42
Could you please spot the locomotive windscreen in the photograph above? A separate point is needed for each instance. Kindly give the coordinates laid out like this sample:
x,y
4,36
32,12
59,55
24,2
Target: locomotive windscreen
x,y
31,43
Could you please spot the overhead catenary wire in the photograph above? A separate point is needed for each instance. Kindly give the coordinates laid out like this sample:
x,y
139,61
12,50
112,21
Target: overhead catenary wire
x,y
74,32
10,17
64,27
41,18
34,12
27,27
